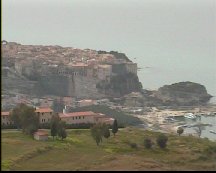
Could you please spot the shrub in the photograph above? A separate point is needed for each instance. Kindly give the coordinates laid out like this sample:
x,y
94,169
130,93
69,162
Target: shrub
x,y
180,130
210,149
147,143
133,145
162,140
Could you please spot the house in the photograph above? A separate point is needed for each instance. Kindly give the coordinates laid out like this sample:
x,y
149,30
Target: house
x,y
41,135
44,114
5,119
78,117
134,99
82,103
85,117
101,118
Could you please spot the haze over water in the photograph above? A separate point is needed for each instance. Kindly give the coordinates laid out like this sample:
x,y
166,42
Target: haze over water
x,y
171,40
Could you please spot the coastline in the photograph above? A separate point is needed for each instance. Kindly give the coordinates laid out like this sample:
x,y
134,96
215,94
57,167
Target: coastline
x,y
156,119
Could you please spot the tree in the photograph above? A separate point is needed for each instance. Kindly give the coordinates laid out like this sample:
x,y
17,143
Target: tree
x,y
62,133
115,127
61,130
15,115
148,143
199,127
106,133
25,117
180,130
29,120
54,123
162,140
96,132
58,105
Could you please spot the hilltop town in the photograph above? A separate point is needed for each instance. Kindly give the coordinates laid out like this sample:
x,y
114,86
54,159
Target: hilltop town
x,y
37,74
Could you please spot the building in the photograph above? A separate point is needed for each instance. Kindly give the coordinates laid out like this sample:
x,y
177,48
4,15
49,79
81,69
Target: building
x,y
101,118
134,99
104,72
41,135
5,119
131,67
69,101
82,103
85,118
78,117
44,114
79,69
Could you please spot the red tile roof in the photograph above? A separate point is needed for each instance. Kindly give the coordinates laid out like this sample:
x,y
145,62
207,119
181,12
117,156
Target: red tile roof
x,y
5,113
74,114
41,133
79,65
44,110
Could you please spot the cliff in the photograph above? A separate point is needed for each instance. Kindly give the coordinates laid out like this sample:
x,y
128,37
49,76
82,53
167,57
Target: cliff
x,y
120,85
183,93
74,86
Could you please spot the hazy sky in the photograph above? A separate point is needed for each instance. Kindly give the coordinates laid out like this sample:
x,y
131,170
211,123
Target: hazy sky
x,y
177,38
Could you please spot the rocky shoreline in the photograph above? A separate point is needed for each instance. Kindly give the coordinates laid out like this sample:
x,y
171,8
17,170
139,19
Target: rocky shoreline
x,y
156,119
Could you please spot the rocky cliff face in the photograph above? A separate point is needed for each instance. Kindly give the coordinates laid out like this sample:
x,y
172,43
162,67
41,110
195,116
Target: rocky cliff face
x,y
183,93
120,85
74,86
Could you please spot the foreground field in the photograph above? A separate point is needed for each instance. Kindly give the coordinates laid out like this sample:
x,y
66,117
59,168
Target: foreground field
x,y
80,152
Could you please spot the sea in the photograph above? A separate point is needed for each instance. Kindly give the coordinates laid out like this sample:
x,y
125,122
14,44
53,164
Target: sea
x,y
205,130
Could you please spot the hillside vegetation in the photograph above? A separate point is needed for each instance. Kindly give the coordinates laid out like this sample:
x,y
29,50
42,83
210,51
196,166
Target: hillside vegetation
x,y
122,118
80,152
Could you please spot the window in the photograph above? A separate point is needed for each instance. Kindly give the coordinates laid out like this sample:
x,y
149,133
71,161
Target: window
x,y
79,117
83,117
50,113
42,113
76,117
73,118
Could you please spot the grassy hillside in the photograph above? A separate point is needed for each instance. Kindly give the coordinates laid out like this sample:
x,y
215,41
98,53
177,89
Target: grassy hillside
x,y
80,152
122,118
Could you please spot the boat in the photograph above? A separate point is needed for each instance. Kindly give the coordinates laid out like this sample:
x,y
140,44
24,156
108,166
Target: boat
x,y
184,125
191,125
169,119
190,116
212,131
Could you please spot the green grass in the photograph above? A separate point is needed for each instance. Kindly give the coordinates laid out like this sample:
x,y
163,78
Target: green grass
x,y
80,152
